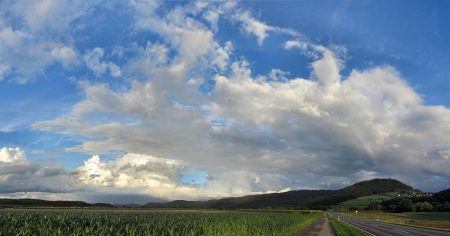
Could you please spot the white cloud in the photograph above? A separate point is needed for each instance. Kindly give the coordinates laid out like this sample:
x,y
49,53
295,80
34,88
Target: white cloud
x,y
306,48
161,177
157,53
48,15
19,55
221,55
259,29
252,26
278,75
34,34
444,154
94,61
215,11
12,155
12,38
22,54
250,134
272,126
326,70
143,177
360,121
295,44
190,39
18,174
131,170
3,71
213,18
142,174
65,55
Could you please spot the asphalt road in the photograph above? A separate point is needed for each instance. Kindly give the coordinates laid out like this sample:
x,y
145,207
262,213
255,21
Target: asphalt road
x,y
381,229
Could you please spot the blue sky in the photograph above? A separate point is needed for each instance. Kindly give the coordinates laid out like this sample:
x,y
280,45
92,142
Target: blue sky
x,y
205,99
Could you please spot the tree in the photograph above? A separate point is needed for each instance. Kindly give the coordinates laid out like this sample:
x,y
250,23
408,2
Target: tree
x,y
423,206
427,206
391,207
405,205
374,206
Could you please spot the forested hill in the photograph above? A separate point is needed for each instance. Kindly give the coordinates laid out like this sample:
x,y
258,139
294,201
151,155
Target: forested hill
x,y
442,196
375,186
300,199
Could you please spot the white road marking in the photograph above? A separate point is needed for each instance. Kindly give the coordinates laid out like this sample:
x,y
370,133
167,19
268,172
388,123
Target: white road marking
x,y
402,231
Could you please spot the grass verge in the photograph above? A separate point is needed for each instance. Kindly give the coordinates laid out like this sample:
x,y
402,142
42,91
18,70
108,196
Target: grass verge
x,y
292,230
344,229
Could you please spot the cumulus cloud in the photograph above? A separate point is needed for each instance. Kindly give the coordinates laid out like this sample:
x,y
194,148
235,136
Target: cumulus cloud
x,y
18,174
367,111
131,170
192,43
250,133
10,155
161,178
144,174
326,70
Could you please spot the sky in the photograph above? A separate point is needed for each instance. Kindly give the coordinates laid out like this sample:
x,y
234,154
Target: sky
x,y
141,100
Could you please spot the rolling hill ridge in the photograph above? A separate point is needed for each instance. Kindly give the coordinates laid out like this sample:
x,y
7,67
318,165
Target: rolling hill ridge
x,y
348,197
45,203
300,199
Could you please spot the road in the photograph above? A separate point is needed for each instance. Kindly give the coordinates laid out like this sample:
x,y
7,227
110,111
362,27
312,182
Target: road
x,y
321,227
381,229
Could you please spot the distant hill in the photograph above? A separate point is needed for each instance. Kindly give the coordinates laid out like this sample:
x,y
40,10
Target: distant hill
x,y
376,186
369,202
300,199
44,203
442,196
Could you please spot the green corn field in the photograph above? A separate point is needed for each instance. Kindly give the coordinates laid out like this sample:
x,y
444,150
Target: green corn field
x,y
63,221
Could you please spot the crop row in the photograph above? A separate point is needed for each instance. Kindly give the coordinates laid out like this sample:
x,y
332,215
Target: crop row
x,y
102,222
